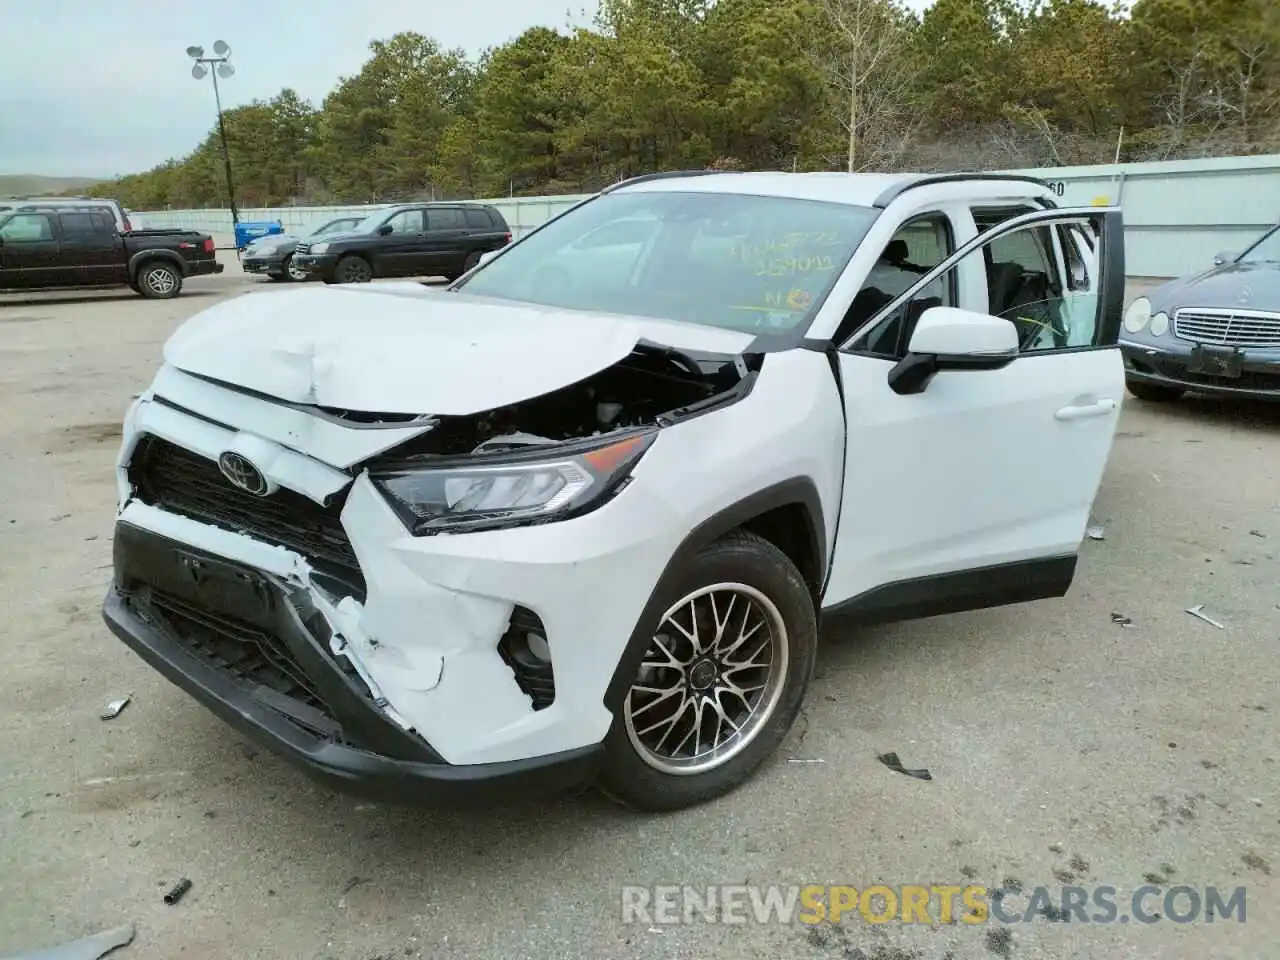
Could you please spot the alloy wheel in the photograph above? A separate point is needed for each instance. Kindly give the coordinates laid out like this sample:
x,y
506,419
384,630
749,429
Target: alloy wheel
x,y
160,281
710,681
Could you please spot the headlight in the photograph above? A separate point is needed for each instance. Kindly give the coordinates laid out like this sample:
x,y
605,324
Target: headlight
x,y
1138,315
1160,324
319,247
511,490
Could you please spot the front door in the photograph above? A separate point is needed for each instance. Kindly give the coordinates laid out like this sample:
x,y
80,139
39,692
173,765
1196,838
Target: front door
x,y
29,252
977,490
400,253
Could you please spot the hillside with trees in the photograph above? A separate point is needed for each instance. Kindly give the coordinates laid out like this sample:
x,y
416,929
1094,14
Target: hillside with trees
x,y
752,84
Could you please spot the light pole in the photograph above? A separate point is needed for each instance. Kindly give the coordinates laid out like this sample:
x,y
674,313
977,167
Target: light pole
x,y
216,66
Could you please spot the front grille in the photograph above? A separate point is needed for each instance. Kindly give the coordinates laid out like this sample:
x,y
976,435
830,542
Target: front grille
x,y
1233,328
166,476
246,652
302,248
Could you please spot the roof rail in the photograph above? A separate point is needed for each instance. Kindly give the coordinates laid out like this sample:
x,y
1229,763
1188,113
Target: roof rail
x,y
928,179
663,175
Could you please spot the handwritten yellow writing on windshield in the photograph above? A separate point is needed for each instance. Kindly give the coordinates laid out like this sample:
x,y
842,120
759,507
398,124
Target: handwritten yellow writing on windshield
x,y
784,243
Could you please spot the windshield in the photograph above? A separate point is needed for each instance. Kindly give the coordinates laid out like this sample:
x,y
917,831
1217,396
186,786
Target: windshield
x,y
749,263
337,226
1266,250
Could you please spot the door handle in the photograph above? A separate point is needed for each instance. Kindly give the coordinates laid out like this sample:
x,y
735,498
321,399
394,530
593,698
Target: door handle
x,y
1084,411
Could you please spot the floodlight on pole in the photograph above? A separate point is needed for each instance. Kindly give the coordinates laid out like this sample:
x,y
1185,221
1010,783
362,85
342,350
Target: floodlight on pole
x,y
217,66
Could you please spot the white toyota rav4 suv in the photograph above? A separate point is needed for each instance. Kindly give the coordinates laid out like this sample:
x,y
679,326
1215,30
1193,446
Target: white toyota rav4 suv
x,y
576,518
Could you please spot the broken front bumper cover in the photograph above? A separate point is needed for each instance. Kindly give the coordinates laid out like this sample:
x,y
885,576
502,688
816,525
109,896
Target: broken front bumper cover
x,y
243,644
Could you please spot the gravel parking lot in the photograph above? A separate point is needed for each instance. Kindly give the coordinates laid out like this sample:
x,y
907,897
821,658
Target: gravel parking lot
x,y
1064,748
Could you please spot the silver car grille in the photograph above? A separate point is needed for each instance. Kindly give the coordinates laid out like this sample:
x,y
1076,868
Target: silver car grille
x,y
1233,328
302,248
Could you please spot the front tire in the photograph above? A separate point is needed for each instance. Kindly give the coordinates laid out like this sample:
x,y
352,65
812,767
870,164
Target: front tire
x,y
159,280
1153,392
721,683
353,270
295,274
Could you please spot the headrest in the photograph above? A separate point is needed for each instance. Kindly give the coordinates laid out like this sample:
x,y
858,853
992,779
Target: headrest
x,y
896,251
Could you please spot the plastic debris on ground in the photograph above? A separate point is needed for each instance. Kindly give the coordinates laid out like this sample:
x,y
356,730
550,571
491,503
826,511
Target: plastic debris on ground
x,y
88,948
1198,612
178,892
1096,533
115,707
1121,619
891,761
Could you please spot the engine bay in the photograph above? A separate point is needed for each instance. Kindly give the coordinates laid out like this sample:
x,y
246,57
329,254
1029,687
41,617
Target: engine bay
x,y
651,385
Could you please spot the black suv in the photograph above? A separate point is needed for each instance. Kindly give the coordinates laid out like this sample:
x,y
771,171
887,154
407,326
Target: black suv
x,y
412,240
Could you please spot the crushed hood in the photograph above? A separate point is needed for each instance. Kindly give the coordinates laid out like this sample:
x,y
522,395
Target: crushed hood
x,y
387,348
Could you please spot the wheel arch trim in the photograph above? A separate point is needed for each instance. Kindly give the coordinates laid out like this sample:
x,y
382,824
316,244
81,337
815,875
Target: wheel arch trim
x,y
144,257
801,491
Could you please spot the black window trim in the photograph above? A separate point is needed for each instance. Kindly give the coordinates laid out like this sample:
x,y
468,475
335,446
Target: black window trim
x,y
952,291
1111,313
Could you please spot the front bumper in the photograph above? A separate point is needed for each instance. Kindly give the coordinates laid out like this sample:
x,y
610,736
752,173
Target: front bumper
x,y
269,266
252,650
1173,364
316,265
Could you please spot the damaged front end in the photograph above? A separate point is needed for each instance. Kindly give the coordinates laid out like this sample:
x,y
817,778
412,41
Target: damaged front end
x,y
334,611
555,456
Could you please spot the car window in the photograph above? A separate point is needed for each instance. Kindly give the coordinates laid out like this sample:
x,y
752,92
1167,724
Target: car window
x,y
446,218
1026,288
478,219
919,245
87,225
749,263
336,226
27,228
1266,250
407,221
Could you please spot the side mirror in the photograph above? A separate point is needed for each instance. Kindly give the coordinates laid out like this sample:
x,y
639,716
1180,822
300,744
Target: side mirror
x,y
384,230
946,338
1221,259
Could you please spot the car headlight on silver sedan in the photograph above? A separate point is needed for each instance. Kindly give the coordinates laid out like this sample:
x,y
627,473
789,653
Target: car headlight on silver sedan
x,y
458,494
1138,315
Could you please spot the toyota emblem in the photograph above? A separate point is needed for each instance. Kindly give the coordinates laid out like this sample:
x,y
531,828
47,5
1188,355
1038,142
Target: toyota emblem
x,y
241,473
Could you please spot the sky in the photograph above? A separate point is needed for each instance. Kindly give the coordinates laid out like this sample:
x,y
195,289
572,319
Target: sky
x,y
99,88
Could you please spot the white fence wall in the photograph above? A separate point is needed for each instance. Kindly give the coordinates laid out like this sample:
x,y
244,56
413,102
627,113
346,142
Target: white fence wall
x,y
1178,214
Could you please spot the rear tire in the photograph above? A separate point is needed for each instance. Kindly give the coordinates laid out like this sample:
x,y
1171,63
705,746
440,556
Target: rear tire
x,y
745,693
158,280
1153,392
352,269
